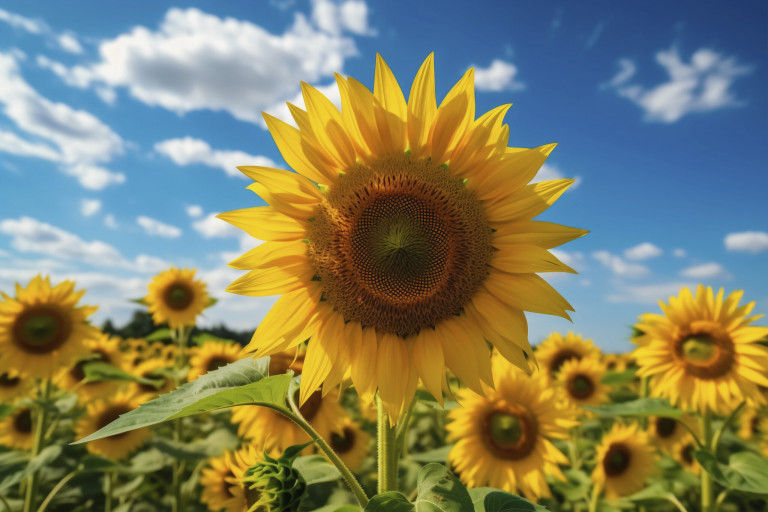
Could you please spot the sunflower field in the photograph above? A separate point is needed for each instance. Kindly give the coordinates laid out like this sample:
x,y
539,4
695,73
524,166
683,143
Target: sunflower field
x,y
394,372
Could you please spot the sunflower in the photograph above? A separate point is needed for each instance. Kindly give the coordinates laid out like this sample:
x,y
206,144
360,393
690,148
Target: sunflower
x,y
42,330
615,362
624,461
16,429
103,412
176,297
752,426
702,353
404,240
103,349
554,351
683,453
291,359
351,444
581,381
14,385
222,489
153,369
503,439
212,355
667,433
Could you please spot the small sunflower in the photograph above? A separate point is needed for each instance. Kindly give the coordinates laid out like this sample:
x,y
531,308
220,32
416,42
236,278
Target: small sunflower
x,y
16,430
103,412
668,432
503,440
222,489
176,297
683,452
624,461
615,362
351,443
153,369
752,425
212,355
291,359
14,385
103,349
580,380
554,351
702,353
42,330
403,242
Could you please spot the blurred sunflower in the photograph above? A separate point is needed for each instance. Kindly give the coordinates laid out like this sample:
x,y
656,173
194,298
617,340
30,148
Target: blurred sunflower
x,y
212,355
14,385
103,349
103,412
351,443
702,353
683,452
16,430
42,330
752,425
503,439
222,489
291,359
403,241
154,369
176,297
615,362
624,461
581,381
667,433
554,351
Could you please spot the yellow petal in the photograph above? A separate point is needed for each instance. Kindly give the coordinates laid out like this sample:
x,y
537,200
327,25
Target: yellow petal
x,y
327,127
528,202
271,254
389,108
288,321
322,350
274,280
362,101
348,117
521,259
393,372
264,223
428,359
534,232
364,358
527,292
456,112
422,106
299,156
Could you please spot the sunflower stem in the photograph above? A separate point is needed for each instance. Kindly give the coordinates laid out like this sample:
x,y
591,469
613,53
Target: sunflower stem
x,y
109,483
594,498
706,478
387,450
56,488
179,336
402,430
42,417
728,420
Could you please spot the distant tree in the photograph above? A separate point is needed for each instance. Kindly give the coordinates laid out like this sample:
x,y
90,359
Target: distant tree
x,y
141,326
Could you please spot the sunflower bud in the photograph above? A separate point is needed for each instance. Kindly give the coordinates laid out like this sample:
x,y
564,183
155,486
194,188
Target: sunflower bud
x,y
273,485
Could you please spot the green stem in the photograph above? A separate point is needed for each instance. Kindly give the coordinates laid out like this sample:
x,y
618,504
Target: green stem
x,y
387,451
109,483
42,417
728,420
346,474
56,488
721,498
180,337
402,430
5,504
594,498
706,478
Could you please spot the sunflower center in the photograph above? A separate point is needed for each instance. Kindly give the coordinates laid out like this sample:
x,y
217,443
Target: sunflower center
x,y
111,414
617,459
581,387
706,355
399,245
217,362
699,348
687,454
153,375
178,296
344,442
8,382
22,423
562,357
41,329
665,427
510,433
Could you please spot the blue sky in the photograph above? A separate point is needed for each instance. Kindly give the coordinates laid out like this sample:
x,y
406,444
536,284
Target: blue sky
x,y
121,126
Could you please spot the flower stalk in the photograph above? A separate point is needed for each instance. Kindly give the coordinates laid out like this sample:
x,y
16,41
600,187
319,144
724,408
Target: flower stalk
x,y
30,494
387,450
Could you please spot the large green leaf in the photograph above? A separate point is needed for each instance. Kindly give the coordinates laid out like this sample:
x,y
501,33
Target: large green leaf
x,y
316,469
46,456
389,502
438,491
488,499
240,383
639,407
746,471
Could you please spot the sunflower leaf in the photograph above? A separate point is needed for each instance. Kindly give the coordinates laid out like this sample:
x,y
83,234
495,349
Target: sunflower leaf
x,y
746,471
640,407
618,378
99,370
439,491
243,382
316,469
159,335
391,501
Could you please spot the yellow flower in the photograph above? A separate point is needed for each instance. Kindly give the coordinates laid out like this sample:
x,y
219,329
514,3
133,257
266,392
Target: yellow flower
x,y
624,461
14,385
554,351
580,380
351,444
752,426
668,433
403,241
16,430
702,353
154,369
42,330
176,297
615,362
222,489
103,349
504,440
210,356
103,412
683,453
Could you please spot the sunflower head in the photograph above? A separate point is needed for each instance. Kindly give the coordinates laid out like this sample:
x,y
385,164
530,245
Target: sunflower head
x,y
581,381
176,297
16,430
42,329
14,385
667,433
714,352
351,444
273,484
103,412
557,349
624,461
103,349
211,356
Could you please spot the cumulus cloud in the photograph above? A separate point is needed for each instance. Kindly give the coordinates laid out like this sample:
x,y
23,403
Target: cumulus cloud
x,y
66,41
643,251
552,172
280,109
194,210
154,227
748,241
573,259
110,221
212,227
705,271
701,85
198,61
679,253
189,151
73,138
618,266
499,76
90,207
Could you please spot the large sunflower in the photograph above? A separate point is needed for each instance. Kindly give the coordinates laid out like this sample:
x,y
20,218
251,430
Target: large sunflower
x,y
210,356
624,461
503,440
702,353
103,412
176,297
554,351
16,429
404,240
42,330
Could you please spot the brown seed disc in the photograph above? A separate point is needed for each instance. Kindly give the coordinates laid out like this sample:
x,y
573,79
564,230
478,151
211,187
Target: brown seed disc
x,y
720,354
523,442
111,414
561,357
665,427
41,329
343,443
580,386
22,423
617,459
8,382
178,296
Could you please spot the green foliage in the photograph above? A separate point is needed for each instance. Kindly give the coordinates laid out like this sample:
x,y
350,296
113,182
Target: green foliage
x,y
746,471
99,370
274,485
642,407
618,378
438,491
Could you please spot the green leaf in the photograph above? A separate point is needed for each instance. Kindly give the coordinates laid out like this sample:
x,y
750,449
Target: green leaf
x,y
746,471
618,378
159,335
391,501
500,501
140,301
46,456
436,455
640,407
243,382
199,339
5,410
316,469
99,370
439,491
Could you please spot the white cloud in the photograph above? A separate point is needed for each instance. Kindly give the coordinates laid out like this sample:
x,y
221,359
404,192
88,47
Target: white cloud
x,y
649,294
705,271
679,253
618,266
189,151
154,227
499,76
90,207
749,241
643,251
333,17
280,109
213,227
110,221
574,259
702,85
82,141
67,41
197,61
194,210
552,172
595,35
